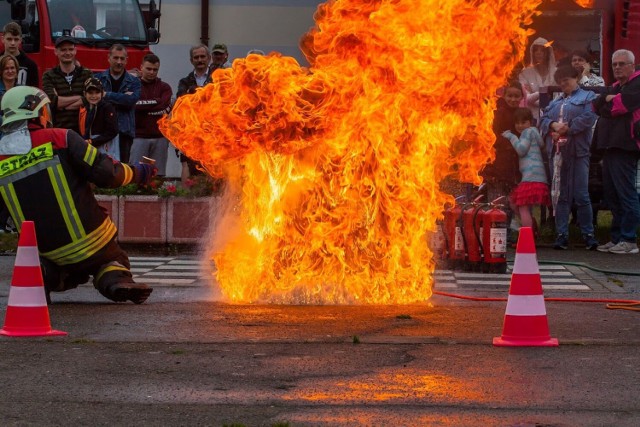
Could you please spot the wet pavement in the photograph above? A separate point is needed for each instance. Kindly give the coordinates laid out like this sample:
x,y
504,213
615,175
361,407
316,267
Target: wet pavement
x,y
187,358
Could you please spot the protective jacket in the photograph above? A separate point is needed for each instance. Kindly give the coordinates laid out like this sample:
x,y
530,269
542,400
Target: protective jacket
x,y
619,123
57,172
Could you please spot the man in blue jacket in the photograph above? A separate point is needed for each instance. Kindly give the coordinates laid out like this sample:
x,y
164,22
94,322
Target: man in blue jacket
x,y
122,89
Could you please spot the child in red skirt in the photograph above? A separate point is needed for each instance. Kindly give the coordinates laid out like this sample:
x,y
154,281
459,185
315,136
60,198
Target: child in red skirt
x,y
533,188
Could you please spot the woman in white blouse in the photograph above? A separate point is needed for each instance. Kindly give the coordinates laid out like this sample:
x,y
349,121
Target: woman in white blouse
x,y
539,73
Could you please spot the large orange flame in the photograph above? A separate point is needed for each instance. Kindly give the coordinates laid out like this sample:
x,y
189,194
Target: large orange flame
x,y
585,3
334,170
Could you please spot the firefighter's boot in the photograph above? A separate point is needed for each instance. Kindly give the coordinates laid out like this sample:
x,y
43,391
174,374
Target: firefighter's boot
x,y
134,292
114,282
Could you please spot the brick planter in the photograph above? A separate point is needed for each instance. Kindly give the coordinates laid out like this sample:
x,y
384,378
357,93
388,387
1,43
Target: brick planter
x,y
142,219
110,205
151,219
188,219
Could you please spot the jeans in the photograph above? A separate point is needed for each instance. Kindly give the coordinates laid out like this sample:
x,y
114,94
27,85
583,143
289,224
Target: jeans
x,y
574,188
619,168
155,148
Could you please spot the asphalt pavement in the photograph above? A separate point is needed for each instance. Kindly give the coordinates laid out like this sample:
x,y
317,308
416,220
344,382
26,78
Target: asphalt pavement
x,y
186,357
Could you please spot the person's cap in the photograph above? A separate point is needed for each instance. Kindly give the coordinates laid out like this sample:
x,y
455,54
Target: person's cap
x,y
65,39
222,48
92,83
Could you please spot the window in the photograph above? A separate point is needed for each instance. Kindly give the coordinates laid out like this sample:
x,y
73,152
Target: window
x,y
94,20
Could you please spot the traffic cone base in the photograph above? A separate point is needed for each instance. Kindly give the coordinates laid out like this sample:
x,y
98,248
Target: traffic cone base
x,y
28,322
27,312
512,333
525,320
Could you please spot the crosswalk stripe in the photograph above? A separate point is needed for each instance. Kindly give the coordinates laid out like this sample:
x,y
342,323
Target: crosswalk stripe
x,y
147,263
446,285
547,267
149,258
508,276
182,274
177,267
187,271
566,287
151,280
184,262
483,282
508,282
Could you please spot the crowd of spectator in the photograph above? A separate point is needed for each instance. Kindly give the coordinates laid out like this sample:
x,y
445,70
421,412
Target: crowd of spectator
x,y
115,110
89,103
586,128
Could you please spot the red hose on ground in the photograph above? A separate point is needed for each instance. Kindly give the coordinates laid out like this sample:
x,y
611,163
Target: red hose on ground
x,y
612,304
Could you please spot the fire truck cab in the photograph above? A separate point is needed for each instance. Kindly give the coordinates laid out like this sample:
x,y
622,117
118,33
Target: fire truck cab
x,y
95,24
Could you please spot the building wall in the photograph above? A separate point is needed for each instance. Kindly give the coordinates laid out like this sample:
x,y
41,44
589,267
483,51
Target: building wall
x,y
269,25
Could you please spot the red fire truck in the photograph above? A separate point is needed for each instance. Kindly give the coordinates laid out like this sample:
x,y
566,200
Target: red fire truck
x,y
601,28
96,25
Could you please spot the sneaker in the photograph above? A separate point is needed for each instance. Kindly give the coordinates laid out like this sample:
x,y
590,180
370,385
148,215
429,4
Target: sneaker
x,y
625,248
605,247
591,244
562,242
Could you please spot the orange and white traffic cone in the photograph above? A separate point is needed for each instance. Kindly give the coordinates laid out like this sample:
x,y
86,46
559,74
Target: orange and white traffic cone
x,y
27,312
525,320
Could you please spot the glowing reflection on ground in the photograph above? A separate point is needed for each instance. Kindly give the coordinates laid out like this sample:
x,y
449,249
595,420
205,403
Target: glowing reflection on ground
x,y
389,387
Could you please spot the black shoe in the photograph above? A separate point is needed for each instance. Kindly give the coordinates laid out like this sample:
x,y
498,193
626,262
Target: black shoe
x,y
561,243
134,292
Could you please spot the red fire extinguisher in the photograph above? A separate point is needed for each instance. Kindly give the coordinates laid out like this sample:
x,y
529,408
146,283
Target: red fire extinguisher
x,y
478,229
438,244
494,238
473,259
453,235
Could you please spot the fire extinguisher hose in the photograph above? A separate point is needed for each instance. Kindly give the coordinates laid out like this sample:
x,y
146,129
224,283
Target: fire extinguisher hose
x,y
611,304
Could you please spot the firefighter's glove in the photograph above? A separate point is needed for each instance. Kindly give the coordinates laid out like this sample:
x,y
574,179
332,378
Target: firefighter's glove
x,y
143,172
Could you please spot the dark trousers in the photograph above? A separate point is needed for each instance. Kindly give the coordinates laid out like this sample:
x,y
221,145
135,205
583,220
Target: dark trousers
x,y
58,278
126,141
4,215
619,184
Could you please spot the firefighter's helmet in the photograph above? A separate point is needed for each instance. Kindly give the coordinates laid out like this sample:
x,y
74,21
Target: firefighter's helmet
x,y
25,103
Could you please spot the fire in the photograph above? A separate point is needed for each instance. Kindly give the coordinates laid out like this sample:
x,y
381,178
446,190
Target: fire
x,y
334,170
585,3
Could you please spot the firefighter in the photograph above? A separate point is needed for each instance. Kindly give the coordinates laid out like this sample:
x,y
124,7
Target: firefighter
x,y
45,176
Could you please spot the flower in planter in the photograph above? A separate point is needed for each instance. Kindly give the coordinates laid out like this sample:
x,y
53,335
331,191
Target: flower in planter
x,y
197,186
204,186
171,188
131,189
